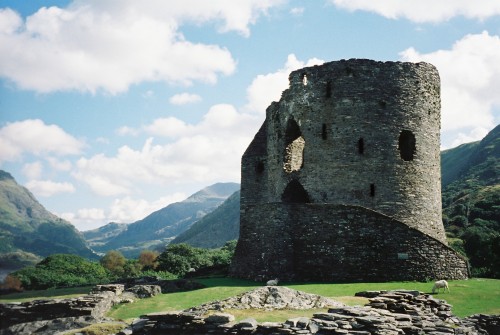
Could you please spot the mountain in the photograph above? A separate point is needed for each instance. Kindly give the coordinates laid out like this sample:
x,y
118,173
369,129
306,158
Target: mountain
x,y
102,235
28,229
215,228
162,226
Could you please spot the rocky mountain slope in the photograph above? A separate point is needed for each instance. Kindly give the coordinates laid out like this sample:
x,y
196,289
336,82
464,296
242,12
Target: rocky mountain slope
x,y
162,226
28,230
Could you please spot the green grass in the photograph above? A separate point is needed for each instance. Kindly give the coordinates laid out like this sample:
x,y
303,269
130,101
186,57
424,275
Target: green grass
x,y
50,293
467,297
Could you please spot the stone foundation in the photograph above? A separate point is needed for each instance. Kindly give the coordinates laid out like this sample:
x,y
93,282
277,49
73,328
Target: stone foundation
x,y
339,243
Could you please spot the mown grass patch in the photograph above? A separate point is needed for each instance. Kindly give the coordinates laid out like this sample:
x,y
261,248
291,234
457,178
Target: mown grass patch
x,y
50,293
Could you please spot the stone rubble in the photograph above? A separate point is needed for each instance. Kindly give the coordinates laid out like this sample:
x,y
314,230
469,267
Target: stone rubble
x,y
387,313
48,315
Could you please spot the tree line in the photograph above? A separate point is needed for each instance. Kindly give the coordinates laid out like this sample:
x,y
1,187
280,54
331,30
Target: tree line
x,y
64,270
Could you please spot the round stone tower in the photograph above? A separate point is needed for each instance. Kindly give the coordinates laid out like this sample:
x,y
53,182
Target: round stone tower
x,y
351,149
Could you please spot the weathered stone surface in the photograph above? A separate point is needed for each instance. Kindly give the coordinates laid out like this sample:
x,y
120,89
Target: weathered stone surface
x,y
51,315
342,181
145,291
269,298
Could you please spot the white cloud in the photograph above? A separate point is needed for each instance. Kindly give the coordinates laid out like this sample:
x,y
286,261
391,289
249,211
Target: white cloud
x,y
297,11
104,45
208,151
267,88
470,77
127,210
35,137
33,170
86,218
425,10
59,165
127,131
475,134
184,98
47,188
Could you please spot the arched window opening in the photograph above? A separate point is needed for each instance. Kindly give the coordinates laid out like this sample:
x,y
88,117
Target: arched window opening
x,y
295,193
324,134
361,146
407,145
304,79
294,149
372,190
259,167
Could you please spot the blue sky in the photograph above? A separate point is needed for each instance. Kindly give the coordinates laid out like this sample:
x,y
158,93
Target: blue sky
x,y
110,110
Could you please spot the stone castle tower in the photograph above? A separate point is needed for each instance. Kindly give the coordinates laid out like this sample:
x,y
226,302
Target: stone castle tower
x,y
342,181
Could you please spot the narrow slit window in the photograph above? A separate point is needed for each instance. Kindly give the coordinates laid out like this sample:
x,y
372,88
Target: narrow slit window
x,y
329,89
324,134
372,190
361,146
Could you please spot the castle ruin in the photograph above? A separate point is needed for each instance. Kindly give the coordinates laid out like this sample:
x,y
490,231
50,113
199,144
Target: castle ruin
x,y
342,181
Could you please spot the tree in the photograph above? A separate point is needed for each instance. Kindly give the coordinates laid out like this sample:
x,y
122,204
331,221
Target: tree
x,y
148,259
114,261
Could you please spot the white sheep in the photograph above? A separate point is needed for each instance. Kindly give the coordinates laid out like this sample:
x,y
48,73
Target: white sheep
x,y
440,284
273,282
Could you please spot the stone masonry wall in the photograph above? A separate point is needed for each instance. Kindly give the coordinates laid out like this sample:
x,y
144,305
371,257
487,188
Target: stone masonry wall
x,y
323,242
371,139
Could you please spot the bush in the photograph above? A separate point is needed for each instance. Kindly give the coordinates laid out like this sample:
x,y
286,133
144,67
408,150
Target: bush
x,y
180,259
62,270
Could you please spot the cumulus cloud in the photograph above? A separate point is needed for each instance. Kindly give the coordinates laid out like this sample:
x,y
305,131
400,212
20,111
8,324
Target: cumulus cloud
x,y
127,210
424,10
267,88
86,218
207,151
37,138
470,77
47,188
184,98
33,170
104,45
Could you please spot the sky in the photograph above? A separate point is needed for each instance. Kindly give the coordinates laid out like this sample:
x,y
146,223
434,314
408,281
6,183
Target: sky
x,y
110,110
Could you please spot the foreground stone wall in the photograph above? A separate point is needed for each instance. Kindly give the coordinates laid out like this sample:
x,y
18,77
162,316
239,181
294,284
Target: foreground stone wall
x,y
388,313
311,242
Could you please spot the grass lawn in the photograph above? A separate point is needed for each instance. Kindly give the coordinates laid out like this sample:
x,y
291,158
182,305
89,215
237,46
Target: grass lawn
x,y
467,297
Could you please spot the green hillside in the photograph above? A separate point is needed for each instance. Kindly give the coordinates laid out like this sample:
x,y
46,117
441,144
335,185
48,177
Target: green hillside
x,y
216,228
28,230
471,201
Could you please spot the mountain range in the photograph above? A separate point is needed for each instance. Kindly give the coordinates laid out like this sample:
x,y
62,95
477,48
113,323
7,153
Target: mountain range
x,y
159,228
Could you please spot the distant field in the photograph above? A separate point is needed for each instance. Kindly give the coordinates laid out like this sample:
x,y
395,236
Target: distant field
x,y
467,297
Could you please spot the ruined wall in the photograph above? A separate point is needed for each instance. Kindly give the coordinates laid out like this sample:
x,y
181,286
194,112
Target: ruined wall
x,y
342,181
325,242
371,138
